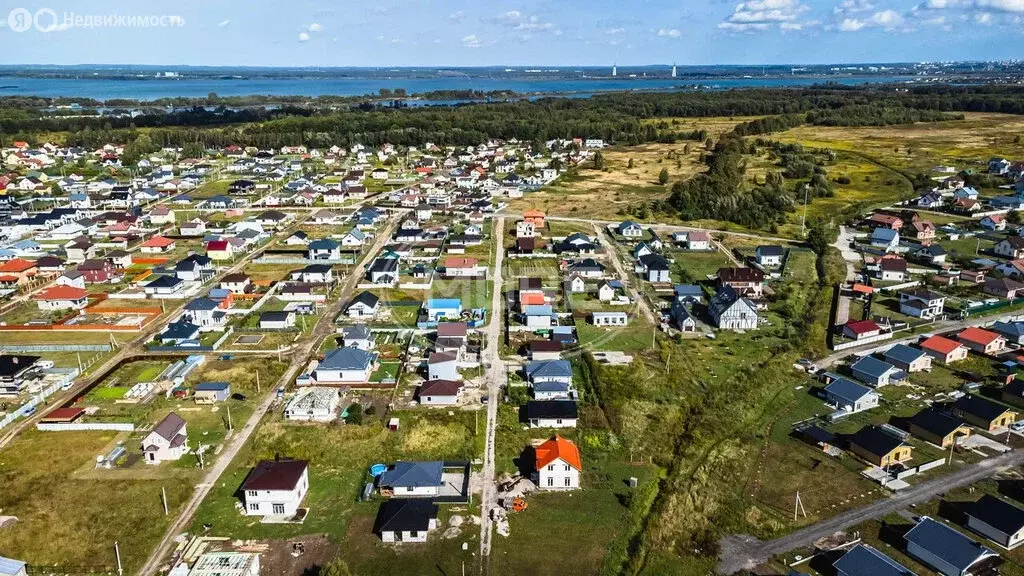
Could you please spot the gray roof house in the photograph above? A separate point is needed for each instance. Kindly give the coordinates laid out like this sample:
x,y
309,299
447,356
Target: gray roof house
x,y
907,358
863,560
412,479
946,550
875,372
549,370
849,396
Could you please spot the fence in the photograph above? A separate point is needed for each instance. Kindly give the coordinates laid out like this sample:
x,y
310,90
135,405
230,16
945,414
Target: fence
x,y
85,426
20,348
922,468
861,342
30,406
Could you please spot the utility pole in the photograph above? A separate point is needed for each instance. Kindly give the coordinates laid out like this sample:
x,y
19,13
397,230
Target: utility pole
x,y
798,506
230,427
163,497
202,465
117,553
257,382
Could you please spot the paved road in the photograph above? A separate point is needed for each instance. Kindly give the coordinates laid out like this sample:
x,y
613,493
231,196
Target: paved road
x,y
495,378
746,552
666,228
324,327
628,279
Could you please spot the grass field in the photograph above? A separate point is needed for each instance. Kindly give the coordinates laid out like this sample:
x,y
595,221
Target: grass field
x,y
340,456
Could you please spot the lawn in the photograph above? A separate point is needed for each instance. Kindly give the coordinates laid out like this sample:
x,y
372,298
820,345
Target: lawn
x,y
636,336
70,521
339,456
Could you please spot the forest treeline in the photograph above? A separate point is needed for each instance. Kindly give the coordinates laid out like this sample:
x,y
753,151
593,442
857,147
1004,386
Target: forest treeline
x,y
619,117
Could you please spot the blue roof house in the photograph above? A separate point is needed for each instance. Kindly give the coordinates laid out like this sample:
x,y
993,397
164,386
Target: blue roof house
x,y
439,309
538,316
885,238
908,359
412,480
946,550
848,396
876,373
863,560
549,371
345,365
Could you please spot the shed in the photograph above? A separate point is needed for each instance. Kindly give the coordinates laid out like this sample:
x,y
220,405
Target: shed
x,y
211,392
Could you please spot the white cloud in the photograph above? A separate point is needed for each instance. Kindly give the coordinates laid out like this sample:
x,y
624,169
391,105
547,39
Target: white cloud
x,y
761,15
984,18
471,41
457,15
853,7
315,27
303,37
380,37
615,31
223,23
670,33
889,20
516,20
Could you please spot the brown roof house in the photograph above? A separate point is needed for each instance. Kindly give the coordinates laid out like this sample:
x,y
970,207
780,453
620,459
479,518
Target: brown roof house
x,y
167,441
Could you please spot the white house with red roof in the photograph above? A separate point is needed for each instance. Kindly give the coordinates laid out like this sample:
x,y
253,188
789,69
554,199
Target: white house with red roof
x,y
62,298
944,350
982,341
157,245
861,329
218,250
557,465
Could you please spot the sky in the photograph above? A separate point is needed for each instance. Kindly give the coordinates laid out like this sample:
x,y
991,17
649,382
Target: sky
x,y
508,32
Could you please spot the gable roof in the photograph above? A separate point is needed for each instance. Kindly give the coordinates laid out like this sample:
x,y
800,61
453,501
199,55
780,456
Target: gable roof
x,y
998,513
169,427
937,422
555,448
940,344
947,544
978,336
552,409
980,407
863,560
873,366
440,388
875,441
862,326
366,298
903,353
847,389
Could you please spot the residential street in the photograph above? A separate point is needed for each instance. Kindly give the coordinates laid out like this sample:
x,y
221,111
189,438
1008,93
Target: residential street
x,y
740,552
495,378
324,327
627,279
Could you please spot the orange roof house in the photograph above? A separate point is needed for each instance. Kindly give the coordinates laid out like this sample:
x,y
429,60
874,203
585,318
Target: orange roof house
x,y
18,270
62,297
982,341
159,243
535,217
557,465
944,349
558,448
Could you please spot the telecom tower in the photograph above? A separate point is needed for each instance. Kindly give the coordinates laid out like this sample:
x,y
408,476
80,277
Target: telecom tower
x,y
615,70
673,69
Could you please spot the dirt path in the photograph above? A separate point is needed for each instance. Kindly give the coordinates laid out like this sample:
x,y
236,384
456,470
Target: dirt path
x,y
495,378
629,280
324,327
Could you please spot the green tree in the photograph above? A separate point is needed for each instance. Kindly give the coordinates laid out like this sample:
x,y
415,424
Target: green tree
x,y
598,160
663,176
630,163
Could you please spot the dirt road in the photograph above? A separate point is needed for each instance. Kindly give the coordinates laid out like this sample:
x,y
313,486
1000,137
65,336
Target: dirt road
x,y
324,327
629,280
740,552
495,379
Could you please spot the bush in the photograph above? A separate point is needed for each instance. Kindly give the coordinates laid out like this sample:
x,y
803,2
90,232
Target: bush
x,y
355,415
844,180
